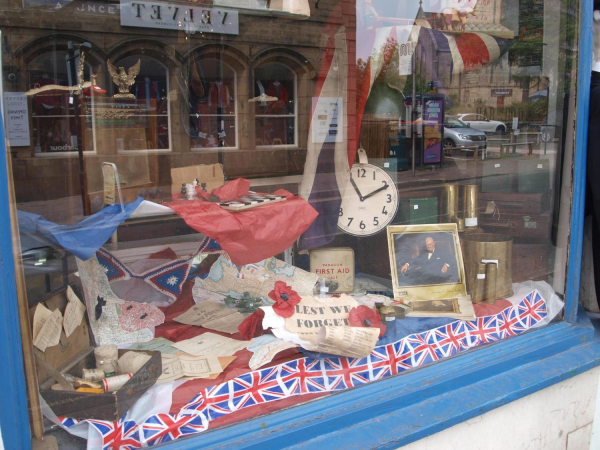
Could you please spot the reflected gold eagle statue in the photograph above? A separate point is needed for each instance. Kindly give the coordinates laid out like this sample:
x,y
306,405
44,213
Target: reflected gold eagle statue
x,y
124,79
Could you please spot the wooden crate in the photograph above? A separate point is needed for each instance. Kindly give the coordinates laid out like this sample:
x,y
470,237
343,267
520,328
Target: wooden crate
x,y
108,406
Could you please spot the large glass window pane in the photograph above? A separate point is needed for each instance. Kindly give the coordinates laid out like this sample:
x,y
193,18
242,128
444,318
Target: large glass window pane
x,y
277,174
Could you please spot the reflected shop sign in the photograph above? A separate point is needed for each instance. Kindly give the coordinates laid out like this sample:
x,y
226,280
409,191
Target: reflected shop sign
x,y
178,17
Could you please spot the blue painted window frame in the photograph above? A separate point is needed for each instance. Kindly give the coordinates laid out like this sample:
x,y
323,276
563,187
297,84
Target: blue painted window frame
x,y
391,412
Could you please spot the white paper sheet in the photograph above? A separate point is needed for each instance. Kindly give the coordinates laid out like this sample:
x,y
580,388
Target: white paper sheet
x,y
49,332
211,344
73,313
212,315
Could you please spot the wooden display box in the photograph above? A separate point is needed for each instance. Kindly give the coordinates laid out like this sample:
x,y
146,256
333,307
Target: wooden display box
x,y
108,406
74,353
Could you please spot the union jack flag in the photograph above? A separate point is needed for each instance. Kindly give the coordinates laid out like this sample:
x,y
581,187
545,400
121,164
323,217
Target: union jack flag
x,y
482,330
532,309
161,428
508,323
450,339
423,348
390,359
309,375
122,434
345,373
303,376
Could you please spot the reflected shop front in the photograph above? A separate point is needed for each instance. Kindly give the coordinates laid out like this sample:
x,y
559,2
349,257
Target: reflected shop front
x,y
264,222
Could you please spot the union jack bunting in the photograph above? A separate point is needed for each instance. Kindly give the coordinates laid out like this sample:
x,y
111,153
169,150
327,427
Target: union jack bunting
x,y
161,428
122,434
310,375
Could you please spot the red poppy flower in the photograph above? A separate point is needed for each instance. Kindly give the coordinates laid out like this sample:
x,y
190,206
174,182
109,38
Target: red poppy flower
x,y
252,327
363,316
285,299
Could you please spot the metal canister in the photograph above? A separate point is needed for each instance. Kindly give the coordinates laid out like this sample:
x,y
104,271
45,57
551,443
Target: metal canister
x,y
479,286
491,273
470,204
483,248
450,204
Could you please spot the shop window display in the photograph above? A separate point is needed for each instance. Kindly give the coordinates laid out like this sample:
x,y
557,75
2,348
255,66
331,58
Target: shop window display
x,y
407,162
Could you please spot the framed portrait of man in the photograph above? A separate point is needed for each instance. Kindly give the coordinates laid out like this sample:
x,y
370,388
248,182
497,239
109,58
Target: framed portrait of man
x,y
426,262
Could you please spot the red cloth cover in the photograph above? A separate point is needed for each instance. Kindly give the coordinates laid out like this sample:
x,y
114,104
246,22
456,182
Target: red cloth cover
x,y
251,235
232,190
487,309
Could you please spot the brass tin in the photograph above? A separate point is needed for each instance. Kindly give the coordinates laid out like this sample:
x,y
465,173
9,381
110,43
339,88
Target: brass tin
x,y
489,248
450,204
470,204
491,273
478,291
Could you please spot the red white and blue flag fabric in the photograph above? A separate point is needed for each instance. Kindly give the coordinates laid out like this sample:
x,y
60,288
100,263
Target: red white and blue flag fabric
x,y
312,375
167,278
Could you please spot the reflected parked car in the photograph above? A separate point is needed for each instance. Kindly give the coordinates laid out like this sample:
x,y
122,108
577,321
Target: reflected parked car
x,y
482,123
459,134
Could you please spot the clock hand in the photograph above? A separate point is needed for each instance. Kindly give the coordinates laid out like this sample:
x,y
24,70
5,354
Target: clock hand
x,y
382,188
356,188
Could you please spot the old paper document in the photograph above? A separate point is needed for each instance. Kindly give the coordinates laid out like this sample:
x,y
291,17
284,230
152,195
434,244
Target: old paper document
x,y
41,315
313,313
212,315
353,342
211,344
48,327
171,368
158,344
200,366
190,367
73,313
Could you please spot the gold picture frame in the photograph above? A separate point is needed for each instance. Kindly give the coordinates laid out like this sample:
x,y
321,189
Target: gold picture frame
x,y
426,262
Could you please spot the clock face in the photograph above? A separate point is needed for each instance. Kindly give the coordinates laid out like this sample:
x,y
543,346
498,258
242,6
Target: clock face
x,y
370,201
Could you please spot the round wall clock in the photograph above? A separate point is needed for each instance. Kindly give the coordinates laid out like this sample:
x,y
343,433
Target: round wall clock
x,y
370,202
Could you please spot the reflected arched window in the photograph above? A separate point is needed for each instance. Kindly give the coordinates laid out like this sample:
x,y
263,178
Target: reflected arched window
x,y
212,103
54,128
149,126
275,105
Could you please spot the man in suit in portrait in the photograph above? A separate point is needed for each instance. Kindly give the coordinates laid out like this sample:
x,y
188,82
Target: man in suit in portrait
x,y
433,266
